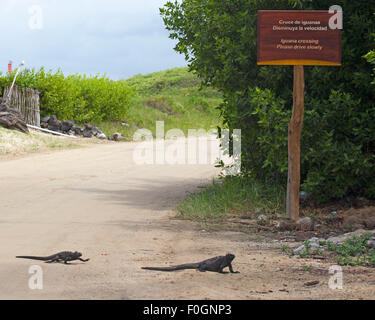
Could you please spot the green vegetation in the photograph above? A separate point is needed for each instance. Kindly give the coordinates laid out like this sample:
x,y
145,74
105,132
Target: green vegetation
x,y
307,250
175,97
306,268
354,251
75,97
219,41
286,250
370,57
232,197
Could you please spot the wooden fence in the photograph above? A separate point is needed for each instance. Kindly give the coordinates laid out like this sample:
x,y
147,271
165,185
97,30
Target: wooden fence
x,y
27,102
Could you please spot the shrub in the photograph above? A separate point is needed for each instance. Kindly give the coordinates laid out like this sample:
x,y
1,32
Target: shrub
x,y
219,39
76,97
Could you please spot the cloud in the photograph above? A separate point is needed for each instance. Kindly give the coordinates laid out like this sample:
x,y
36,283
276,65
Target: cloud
x,y
120,38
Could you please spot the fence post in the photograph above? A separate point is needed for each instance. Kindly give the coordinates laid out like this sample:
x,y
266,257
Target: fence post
x,y
27,102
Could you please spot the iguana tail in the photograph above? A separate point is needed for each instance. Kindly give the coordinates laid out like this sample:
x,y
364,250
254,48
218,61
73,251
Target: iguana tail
x,y
174,268
36,258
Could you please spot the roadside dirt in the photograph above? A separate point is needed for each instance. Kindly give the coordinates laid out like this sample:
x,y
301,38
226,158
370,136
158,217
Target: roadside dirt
x,y
120,215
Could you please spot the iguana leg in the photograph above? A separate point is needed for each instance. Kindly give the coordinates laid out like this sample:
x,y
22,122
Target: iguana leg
x,y
202,268
223,265
222,272
231,269
53,260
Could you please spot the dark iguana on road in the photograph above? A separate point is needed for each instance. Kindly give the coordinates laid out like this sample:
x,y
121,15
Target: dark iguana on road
x,y
58,257
216,264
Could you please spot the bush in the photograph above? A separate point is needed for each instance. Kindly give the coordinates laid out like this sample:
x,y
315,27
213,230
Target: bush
x,y
334,158
219,40
76,97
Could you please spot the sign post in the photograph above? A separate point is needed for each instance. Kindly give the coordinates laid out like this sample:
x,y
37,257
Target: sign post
x,y
298,38
294,144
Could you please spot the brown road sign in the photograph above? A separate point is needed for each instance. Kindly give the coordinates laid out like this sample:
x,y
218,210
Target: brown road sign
x,y
297,37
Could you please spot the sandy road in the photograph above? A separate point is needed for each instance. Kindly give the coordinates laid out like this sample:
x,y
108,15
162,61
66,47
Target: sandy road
x,y
97,201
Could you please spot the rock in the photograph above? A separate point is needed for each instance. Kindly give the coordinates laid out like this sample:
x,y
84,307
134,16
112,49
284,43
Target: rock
x,y
45,119
262,219
101,136
67,125
352,223
44,125
311,283
298,251
314,240
52,120
117,136
54,126
371,244
87,133
55,129
305,224
370,223
314,244
88,126
339,240
77,130
361,202
95,131
285,225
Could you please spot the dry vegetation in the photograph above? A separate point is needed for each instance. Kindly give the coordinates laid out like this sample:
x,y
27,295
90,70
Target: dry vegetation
x,y
14,143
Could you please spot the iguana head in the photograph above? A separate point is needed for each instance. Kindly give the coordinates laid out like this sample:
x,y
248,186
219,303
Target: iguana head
x,y
77,254
230,256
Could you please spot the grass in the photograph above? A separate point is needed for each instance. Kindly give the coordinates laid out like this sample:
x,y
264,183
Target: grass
x,y
354,252
306,268
232,197
173,96
16,143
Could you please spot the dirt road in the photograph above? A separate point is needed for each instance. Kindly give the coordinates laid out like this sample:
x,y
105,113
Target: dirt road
x,y
97,201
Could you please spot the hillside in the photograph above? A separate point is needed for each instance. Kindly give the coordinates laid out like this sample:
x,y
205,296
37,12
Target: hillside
x,y
173,96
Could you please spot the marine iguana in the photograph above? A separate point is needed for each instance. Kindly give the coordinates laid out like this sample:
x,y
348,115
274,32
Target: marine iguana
x,y
61,256
216,264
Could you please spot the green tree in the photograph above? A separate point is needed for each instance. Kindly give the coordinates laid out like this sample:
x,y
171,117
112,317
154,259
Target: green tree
x,y
219,39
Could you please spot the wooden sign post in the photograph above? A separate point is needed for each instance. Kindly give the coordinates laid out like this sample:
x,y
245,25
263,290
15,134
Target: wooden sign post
x,y
294,144
298,38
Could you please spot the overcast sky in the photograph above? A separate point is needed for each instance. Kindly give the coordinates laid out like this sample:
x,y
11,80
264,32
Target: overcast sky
x,y
118,37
